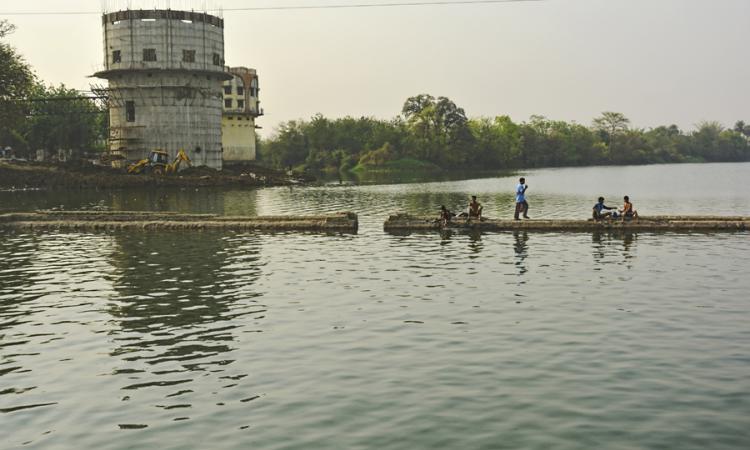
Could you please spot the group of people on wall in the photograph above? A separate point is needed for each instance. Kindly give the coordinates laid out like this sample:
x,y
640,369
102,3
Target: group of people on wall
x,y
600,211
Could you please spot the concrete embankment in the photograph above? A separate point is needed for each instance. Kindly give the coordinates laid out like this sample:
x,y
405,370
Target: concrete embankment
x,y
344,222
405,223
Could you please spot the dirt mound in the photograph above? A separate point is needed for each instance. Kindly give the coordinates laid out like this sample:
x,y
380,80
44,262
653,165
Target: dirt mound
x,y
200,171
87,175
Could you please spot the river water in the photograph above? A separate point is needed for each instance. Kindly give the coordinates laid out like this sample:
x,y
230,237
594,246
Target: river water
x,y
176,340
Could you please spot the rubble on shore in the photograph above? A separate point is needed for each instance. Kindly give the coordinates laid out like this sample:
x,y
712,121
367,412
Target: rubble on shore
x,y
22,175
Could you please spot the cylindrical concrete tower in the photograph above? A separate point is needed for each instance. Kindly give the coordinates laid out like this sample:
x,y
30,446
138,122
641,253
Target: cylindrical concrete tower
x,y
165,70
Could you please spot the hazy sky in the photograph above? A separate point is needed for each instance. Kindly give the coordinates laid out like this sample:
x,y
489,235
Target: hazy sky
x,y
656,61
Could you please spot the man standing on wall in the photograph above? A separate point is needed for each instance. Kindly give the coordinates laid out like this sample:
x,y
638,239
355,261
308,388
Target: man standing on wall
x,y
521,205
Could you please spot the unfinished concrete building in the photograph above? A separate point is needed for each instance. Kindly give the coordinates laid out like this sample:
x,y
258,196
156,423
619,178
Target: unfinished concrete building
x,y
241,107
165,70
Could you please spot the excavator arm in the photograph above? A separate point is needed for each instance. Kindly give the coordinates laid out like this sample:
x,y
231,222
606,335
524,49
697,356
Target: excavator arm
x,y
138,167
179,159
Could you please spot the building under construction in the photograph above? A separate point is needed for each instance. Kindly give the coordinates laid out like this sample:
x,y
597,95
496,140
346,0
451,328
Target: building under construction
x,y
241,107
166,71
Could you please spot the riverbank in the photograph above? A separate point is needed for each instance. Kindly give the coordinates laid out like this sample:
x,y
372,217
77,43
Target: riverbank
x,y
18,176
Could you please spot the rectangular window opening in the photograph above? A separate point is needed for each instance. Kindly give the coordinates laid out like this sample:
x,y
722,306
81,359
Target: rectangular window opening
x,y
240,90
149,54
130,111
228,103
116,56
241,104
217,59
228,90
188,56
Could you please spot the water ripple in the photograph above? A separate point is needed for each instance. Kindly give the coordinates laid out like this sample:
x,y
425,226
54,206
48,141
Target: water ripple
x,y
453,340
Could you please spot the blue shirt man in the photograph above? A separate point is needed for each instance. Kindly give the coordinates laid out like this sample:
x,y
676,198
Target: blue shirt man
x,y
521,192
521,205
599,208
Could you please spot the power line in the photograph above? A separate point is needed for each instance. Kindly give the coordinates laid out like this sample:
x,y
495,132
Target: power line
x,y
378,5
291,7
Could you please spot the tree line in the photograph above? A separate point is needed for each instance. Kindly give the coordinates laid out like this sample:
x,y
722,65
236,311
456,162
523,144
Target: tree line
x,y
437,133
428,133
36,116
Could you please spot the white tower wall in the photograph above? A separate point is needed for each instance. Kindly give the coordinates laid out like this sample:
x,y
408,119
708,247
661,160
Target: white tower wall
x,y
165,70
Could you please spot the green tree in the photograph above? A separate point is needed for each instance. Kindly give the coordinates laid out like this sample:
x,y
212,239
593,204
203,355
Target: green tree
x,y
487,142
732,146
440,129
665,143
62,119
378,157
6,28
510,142
288,147
705,140
435,130
610,126
16,83
742,128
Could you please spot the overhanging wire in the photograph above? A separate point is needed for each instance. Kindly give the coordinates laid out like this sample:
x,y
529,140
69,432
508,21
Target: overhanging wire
x,y
292,7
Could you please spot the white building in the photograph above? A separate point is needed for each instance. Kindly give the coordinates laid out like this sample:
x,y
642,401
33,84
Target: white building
x,y
241,107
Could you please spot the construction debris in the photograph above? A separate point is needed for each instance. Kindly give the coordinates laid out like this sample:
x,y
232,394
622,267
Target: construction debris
x,y
86,176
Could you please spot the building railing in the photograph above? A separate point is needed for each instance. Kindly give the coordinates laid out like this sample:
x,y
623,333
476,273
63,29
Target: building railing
x,y
154,67
257,112
156,14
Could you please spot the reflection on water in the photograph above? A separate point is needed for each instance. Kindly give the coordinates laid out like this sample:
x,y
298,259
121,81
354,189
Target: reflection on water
x,y
405,177
474,240
423,340
199,200
603,240
178,317
521,248
167,307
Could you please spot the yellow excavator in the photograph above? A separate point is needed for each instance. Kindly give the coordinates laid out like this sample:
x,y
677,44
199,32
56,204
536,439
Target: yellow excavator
x,y
158,163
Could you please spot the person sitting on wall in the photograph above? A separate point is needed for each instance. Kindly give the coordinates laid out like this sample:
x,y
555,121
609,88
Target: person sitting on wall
x,y
445,215
628,211
598,210
475,208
